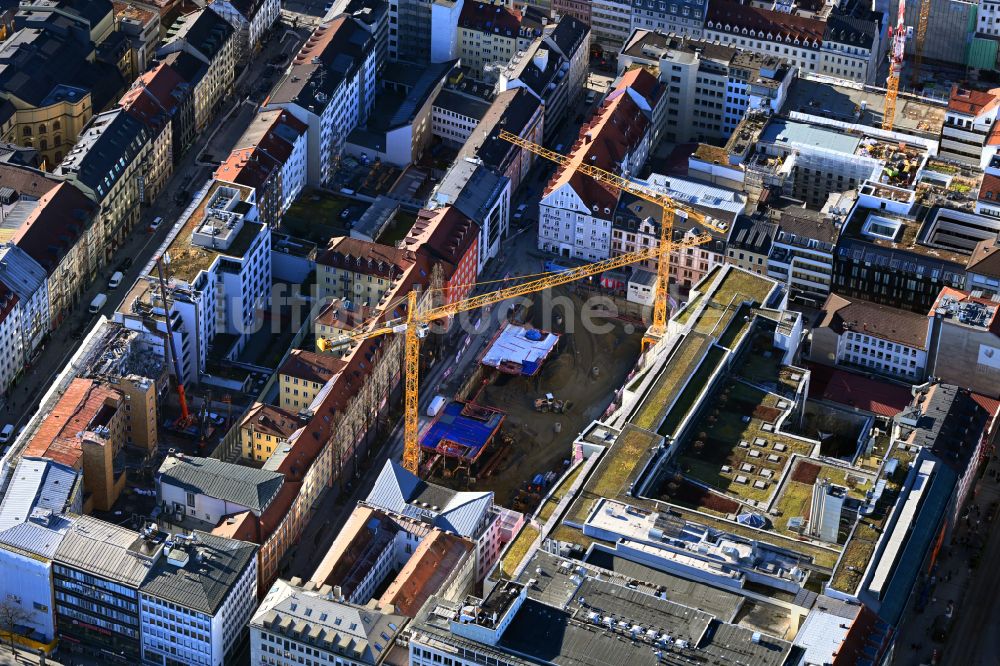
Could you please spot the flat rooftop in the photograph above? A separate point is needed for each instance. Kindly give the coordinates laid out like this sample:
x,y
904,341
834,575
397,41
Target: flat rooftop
x,y
781,131
188,257
854,104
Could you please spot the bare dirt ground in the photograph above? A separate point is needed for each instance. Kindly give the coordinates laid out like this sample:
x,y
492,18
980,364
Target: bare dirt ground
x,y
569,374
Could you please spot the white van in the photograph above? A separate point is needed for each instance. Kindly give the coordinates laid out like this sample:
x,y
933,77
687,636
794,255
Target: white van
x,y
155,224
6,433
437,404
116,279
98,303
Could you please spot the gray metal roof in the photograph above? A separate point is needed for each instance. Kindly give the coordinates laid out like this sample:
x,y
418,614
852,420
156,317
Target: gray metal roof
x,y
246,486
22,274
214,565
105,550
315,618
36,483
401,492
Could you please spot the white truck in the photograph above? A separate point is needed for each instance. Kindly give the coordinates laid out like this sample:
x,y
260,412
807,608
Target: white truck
x,y
437,404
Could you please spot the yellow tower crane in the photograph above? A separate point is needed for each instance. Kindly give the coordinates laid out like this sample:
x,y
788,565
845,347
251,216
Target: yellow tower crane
x,y
414,326
671,207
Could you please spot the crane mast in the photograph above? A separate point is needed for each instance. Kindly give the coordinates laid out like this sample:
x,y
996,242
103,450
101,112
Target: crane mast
x,y
897,46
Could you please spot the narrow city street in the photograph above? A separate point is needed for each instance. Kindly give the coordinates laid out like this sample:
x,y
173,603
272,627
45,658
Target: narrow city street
x,y
964,580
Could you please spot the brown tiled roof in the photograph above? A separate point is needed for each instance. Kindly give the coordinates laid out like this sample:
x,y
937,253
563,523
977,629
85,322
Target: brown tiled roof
x,y
161,82
990,188
972,102
445,233
247,166
985,259
880,321
335,314
613,132
437,556
366,257
782,26
311,367
57,438
25,180
271,420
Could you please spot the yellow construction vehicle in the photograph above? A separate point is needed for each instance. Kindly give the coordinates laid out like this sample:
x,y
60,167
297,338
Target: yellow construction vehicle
x,y
671,209
415,324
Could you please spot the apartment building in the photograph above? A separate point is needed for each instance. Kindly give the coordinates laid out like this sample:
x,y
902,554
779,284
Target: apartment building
x,y
795,38
86,430
873,338
330,88
471,515
982,271
60,234
196,599
209,43
108,163
219,271
852,46
451,240
575,213
637,226
483,196
966,341
297,622
360,271
750,241
578,9
610,23
516,110
970,133
175,96
272,158
410,31
709,87
302,376
684,17
250,19
554,69
456,115
49,109
159,164
141,26
31,528
11,349
27,321
336,317
802,254
490,35
264,428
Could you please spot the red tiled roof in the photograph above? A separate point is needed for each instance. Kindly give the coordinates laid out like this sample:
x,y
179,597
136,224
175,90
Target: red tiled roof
x,y
782,26
142,105
57,438
247,166
337,315
55,225
847,388
487,17
605,140
972,102
446,233
433,560
161,82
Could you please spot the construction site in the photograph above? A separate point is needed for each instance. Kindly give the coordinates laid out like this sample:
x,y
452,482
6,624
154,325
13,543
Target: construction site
x,y
510,425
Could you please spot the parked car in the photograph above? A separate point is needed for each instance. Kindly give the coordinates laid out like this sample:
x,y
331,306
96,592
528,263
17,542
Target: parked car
x,y
98,303
116,279
6,433
155,224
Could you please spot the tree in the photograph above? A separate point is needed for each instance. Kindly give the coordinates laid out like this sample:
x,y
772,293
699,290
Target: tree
x,y
13,615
